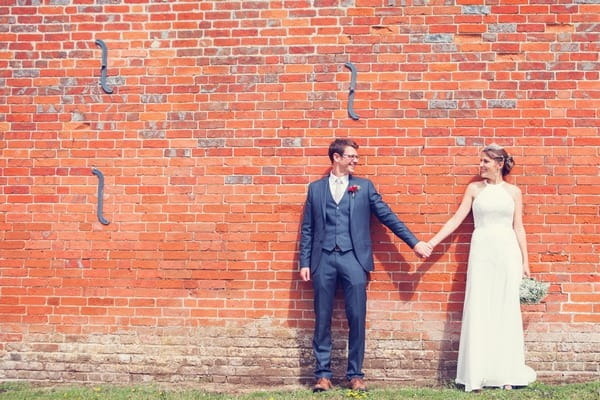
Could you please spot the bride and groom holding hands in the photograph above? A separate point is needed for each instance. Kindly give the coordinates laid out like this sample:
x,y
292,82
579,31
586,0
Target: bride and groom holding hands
x,y
335,246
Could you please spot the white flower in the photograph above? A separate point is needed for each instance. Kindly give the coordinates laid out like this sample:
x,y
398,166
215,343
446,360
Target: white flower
x,y
532,291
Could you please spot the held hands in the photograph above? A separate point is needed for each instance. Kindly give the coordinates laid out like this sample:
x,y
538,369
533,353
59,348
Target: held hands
x,y
423,249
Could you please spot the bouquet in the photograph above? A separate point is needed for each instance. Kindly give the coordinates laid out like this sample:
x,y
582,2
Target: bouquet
x,y
532,291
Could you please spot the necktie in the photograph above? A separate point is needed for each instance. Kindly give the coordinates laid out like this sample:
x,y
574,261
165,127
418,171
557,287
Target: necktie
x,y
339,190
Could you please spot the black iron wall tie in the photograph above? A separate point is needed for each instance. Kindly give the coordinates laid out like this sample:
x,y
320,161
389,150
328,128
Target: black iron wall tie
x,y
103,71
351,112
100,176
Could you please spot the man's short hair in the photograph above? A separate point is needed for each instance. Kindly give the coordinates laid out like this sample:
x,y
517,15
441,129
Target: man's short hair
x,y
339,145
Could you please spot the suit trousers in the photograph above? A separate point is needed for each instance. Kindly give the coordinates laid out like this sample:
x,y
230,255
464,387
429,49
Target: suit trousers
x,y
339,266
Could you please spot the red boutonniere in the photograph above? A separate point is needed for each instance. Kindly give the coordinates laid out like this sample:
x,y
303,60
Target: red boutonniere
x,y
353,189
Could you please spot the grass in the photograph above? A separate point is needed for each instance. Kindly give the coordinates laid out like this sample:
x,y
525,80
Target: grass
x,y
537,391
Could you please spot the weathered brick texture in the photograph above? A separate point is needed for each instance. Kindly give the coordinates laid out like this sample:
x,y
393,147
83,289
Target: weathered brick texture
x,y
220,115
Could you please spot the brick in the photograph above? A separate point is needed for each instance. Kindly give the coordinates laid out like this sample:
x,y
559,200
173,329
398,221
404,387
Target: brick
x,y
208,143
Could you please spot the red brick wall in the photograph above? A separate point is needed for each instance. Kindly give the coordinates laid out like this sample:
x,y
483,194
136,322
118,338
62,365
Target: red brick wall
x,y
220,116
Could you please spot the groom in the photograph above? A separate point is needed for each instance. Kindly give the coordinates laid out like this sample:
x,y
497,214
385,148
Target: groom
x,y
335,244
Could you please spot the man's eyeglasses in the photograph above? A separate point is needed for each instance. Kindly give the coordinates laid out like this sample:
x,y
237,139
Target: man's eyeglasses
x,y
351,156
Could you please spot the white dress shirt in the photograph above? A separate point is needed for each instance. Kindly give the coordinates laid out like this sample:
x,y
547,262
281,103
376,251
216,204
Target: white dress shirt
x,y
337,183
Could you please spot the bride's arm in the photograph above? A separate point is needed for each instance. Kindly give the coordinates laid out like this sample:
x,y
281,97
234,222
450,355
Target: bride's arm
x,y
459,216
520,229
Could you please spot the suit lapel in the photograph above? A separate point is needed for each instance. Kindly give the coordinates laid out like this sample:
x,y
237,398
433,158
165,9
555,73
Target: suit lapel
x,y
350,197
324,187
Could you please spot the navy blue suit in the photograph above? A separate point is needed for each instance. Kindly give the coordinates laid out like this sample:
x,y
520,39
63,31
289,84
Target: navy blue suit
x,y
324,226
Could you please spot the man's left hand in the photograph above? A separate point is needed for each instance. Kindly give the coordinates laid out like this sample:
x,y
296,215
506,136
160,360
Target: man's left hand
x,y
423,249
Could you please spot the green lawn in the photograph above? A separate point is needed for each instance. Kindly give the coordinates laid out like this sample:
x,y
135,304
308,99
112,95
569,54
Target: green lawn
x,y
23,391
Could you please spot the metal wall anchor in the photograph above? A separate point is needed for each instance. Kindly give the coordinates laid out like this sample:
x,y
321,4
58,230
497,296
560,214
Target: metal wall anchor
x,y
351,112
100,176
103,71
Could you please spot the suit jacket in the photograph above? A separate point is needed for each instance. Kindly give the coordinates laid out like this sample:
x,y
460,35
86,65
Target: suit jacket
x,y
363,203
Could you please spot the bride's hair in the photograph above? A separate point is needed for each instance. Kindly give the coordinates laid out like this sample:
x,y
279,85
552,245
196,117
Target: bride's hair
x,y
498,153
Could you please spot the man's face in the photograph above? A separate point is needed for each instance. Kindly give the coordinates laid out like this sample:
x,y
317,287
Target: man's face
x,y
347,161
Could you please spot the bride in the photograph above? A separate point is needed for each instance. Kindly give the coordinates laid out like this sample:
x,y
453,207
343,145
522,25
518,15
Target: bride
x,y
492,350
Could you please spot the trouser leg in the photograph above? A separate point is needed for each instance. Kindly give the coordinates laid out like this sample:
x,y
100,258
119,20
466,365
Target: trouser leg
x,y
354,283
324,285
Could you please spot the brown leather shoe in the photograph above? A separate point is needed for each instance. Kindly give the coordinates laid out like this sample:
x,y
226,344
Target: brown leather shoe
x,y
322,385
357,384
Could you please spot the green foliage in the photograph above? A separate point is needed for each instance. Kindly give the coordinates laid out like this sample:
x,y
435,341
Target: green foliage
x,y
537,391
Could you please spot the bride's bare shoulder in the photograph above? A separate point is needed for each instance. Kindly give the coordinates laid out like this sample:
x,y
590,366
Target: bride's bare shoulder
x,y
477,185
513,189
474,188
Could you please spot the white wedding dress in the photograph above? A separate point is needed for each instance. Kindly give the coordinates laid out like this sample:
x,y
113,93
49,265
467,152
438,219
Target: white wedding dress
x,y
492,350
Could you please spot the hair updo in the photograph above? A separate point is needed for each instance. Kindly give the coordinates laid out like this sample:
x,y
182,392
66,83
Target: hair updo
x,y
498,153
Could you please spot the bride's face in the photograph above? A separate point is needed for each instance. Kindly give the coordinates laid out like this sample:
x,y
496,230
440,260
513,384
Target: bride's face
x,y
488,167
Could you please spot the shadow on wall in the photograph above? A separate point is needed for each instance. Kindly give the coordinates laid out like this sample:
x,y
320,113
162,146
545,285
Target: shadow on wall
x,y
436,341
301,311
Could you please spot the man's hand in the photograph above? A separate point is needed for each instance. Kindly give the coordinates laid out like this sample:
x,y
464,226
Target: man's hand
x,y
305,274
423,249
